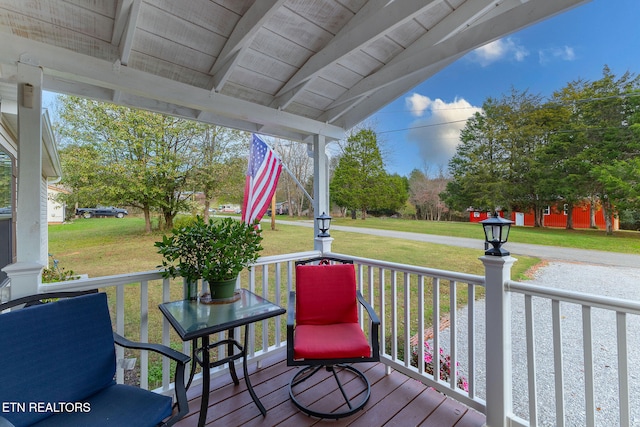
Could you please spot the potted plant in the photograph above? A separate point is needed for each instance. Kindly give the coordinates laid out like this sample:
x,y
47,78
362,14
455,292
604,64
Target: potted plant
x,y
215,251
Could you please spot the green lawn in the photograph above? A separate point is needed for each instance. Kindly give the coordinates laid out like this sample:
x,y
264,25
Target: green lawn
x,y
107,246
620,241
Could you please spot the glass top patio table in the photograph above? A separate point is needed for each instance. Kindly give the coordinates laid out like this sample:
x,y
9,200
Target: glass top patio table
x,y
194,319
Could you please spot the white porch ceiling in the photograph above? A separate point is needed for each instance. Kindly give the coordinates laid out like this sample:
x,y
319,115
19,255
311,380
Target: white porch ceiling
x,y
288,68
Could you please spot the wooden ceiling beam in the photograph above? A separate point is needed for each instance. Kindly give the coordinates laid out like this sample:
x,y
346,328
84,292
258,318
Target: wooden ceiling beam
x,y
240,39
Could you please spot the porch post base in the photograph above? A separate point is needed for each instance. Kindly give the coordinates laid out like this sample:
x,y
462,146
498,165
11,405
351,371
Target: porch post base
x,y
323,244
24,277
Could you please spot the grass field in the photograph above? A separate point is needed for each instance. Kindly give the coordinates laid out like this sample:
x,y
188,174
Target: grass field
x,y
620,241
107,246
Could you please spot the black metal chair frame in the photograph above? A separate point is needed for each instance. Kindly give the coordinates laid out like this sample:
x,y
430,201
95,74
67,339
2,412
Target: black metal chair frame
x,y
181,359
312,366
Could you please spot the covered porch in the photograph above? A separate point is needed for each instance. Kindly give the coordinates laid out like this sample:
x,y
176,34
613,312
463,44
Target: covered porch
x,y
307,71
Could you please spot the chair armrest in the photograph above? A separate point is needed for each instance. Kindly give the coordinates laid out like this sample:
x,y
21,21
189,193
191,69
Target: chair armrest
x,y
291,315
372,314
291,308
374,326
180,388
158,348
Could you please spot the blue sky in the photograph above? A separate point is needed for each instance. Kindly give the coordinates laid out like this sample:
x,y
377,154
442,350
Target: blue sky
x,y
541,59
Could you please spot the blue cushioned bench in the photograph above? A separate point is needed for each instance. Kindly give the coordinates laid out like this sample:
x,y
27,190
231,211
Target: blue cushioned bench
x,y
57,368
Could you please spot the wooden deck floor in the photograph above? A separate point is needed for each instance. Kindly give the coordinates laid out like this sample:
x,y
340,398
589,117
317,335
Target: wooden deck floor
x,y
396,400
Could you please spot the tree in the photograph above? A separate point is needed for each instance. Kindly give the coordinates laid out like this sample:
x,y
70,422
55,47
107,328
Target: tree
x,y
81,170
497,164
424,194
360,180
613,143
138,158
299,164
477,167
595,151
220,169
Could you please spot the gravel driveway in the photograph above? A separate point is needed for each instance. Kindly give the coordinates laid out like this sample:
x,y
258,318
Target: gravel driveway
x,y
619,282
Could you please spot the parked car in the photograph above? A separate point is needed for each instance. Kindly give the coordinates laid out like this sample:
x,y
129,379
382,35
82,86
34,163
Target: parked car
x,y
101,211
281,209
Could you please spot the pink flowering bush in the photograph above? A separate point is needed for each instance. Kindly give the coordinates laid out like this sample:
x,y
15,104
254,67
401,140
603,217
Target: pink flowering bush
x,y
445,365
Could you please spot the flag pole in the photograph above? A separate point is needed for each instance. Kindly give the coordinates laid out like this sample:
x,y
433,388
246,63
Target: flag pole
x,y
273,212
297,182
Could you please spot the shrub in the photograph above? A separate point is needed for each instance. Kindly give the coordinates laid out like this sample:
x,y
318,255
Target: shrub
x,y
445,365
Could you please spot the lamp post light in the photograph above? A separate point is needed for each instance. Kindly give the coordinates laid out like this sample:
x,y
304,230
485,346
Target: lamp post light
x,y
496,233
324,222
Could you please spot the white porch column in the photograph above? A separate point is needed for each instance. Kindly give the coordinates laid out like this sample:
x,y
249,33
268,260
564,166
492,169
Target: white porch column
x,y
25,273
498,336
320,190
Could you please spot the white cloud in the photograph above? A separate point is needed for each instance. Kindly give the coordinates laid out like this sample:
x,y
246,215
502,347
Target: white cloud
x,y
498,50
565,53
417,104
437,135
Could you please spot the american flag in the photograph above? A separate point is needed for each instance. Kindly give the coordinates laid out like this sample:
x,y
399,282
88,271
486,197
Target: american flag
x,y
262,178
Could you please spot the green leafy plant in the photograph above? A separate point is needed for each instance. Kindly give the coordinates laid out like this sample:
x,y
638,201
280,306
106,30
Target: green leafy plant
x,y
55,273
216,250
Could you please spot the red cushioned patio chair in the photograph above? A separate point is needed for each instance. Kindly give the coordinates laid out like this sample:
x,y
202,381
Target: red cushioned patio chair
x,y
323,331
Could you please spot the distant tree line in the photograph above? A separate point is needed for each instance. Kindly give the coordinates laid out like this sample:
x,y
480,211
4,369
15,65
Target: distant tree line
x,y
520,153
523,154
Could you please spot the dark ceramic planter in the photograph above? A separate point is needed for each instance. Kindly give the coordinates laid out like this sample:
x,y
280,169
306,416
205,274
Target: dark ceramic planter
x,y
222,289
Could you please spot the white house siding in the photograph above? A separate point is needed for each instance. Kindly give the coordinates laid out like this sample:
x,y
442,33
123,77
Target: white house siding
x,y
55,209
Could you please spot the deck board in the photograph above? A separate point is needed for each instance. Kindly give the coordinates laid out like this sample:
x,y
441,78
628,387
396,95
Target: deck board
x,y
396,400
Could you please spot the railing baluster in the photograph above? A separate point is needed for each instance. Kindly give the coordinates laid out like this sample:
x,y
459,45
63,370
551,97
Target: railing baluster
x,y
623,368
265,293
471,339
589,383
166,340
453,326
436,329
420,341
557,363
407,320
277,293
120,330
531,360
394,315
144,333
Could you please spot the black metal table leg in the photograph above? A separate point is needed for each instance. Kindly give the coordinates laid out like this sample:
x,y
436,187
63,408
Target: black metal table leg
x,y
230,351
194,363
246,374
206,381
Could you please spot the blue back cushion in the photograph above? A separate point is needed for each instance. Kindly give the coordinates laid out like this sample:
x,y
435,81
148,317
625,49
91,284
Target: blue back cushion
x,y
57,352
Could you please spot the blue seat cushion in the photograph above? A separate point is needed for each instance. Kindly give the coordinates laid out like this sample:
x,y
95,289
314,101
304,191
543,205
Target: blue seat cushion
x,y
61,351
115,406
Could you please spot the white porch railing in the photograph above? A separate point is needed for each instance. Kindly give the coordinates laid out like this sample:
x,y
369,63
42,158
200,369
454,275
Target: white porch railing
x,y
582,358
400,294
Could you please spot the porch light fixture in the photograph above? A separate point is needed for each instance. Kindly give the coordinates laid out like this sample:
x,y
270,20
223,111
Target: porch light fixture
x,y
496,233
324,222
